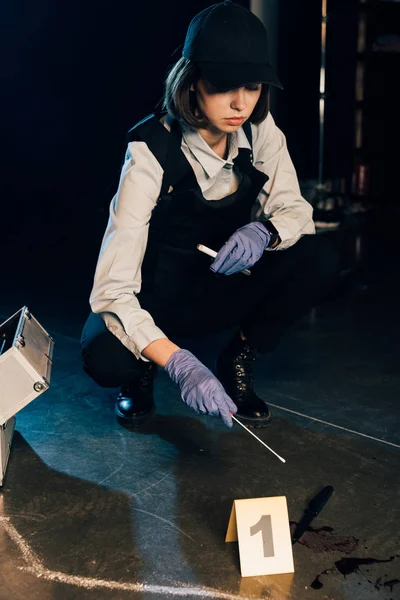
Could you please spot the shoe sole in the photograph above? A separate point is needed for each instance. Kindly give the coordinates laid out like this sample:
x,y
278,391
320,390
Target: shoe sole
x,y
254,423
133,422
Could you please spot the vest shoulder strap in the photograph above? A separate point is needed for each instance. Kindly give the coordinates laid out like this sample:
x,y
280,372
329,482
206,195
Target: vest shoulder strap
x,y
164,145
153,132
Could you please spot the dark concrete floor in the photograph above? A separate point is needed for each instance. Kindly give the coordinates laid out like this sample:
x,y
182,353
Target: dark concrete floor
x,y
92,511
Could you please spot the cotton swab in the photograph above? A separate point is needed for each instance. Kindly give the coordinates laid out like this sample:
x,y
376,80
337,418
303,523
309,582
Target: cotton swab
x,y
257,438
213,254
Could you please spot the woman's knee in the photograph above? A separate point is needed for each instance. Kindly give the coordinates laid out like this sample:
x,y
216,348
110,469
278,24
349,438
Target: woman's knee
x,y
96,362
105,359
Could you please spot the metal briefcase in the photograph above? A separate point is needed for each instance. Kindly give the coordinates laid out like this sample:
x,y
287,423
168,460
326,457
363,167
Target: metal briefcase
x,y
26,354
6,435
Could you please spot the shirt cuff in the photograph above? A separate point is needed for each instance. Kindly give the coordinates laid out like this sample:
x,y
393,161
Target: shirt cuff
x,y
288,236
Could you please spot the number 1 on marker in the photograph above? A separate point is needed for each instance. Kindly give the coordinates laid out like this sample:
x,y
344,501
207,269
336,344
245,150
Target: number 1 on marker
x,y
264,525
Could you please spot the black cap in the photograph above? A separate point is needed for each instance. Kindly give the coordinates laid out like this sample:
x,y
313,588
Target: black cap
x,y
230,45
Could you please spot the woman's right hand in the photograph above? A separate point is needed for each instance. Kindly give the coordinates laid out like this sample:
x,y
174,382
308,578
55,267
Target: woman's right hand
x,y
200,389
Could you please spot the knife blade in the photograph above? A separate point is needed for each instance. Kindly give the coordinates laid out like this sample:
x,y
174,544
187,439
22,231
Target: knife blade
x,y
314,508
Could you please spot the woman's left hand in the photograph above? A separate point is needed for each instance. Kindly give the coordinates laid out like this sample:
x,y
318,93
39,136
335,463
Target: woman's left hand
x,y
243,249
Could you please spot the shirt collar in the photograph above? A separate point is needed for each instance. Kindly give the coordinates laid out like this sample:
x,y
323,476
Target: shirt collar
x,y
210,161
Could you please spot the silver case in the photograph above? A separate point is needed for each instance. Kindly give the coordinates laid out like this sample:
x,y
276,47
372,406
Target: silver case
x,y
6,435
25,367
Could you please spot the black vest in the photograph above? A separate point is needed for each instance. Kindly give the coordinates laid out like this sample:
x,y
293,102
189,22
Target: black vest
x,y
174,271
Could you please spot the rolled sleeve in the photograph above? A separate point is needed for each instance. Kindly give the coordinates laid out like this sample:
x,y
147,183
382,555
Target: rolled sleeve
x,y
280,200
118,277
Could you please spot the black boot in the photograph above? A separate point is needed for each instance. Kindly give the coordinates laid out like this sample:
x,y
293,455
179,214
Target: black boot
x,y
234,370
135,402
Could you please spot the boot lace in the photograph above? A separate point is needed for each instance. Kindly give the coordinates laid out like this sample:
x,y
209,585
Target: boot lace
x,y
243,370
147,378
143,382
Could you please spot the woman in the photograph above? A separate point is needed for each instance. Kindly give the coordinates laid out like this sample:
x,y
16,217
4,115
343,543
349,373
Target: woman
x,y
213,170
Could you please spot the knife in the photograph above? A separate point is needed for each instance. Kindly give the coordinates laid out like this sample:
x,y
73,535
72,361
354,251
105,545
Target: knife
x,y
314,508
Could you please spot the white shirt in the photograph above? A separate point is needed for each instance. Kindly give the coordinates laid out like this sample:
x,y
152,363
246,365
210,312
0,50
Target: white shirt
x,y
117,278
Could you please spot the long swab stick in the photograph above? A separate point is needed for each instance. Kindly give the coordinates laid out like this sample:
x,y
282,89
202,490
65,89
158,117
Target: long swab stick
x,y
257,438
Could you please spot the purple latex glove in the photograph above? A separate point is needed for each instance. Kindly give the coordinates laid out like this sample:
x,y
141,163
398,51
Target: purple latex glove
x,y
200,389
243,249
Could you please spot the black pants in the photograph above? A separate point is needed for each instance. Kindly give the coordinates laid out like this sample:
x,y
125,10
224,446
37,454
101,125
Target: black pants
x,y
283,286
